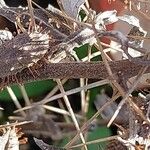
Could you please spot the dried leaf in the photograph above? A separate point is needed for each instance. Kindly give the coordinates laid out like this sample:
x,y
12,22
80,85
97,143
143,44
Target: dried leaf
x,y
101,99
105,18
21,52
42,124
5,35
56,30
2,3
137,30
11,13
13,142
132,20
9,139
45,146
72,7
107,113
4,139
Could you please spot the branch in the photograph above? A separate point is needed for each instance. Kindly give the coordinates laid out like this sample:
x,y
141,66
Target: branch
x,y
124,69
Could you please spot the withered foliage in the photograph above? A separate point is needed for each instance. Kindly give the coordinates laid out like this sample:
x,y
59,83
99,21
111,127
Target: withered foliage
x,y
44,48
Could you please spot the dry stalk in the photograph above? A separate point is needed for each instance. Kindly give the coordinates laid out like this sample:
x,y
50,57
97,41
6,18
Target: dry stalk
x,y
85,126
126,96
71,112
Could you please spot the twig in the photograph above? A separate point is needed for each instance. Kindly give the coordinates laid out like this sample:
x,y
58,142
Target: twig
x,y
127,96
71,112
73,91
54,90
94,70
24,94
85,126
83,96
33,24
108,68
97,141
15,100
15,124
60,111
